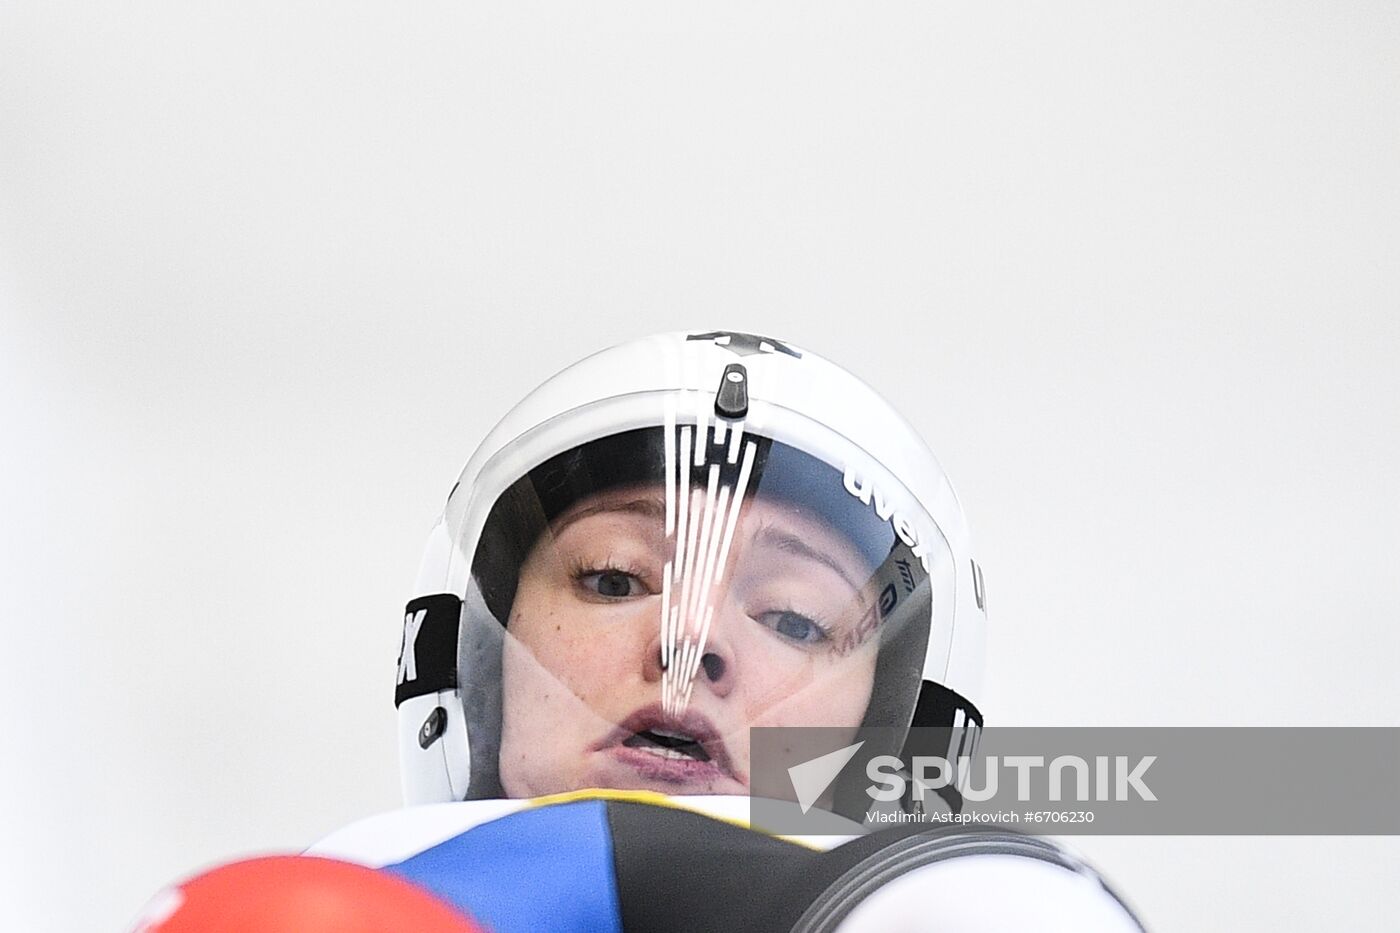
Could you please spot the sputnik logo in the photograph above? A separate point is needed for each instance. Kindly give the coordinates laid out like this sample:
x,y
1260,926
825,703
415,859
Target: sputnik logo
x,y
811,778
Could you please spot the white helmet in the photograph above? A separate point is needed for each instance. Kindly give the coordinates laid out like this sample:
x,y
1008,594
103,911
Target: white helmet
x,y
667,543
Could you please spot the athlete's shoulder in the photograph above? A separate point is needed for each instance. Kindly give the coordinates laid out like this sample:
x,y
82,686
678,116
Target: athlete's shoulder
x,y
396,835
592,860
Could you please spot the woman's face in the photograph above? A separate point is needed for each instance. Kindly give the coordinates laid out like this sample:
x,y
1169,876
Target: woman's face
x,y
587,701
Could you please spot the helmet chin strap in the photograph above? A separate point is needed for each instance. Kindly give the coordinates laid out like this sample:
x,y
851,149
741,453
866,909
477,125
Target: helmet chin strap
x,y
428,652
436,752
947,725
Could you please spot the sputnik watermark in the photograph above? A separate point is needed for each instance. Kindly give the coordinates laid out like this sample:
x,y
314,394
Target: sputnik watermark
x,y
1113,779
1098,780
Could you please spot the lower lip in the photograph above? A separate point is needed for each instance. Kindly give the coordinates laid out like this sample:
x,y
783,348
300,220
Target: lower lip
x,y
654,767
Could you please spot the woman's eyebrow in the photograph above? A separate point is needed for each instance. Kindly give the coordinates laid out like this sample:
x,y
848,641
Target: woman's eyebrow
x,y
645,506
792,544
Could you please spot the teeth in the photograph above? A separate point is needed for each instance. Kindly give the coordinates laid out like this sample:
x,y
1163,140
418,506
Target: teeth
x,y
671,745
668,753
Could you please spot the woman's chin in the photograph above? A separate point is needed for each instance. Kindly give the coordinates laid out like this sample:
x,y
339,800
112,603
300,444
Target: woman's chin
x,y
643,769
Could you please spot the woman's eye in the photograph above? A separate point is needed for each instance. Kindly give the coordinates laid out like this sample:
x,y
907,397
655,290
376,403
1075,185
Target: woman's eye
x,y
794,626
614,584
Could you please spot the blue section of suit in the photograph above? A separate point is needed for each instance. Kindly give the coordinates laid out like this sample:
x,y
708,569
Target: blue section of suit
x,y
544,869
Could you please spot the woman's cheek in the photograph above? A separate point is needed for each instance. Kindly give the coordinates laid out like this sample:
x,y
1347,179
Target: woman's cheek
x,y
777,681
811,693
581,648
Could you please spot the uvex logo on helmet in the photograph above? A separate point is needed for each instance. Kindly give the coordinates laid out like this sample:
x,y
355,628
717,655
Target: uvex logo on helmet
x,y
864,489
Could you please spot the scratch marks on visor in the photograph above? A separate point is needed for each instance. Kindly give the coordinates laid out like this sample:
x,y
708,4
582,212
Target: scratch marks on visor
x,y
700,527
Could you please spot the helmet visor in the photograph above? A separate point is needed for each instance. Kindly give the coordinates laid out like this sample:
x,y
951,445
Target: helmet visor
x,y
657,592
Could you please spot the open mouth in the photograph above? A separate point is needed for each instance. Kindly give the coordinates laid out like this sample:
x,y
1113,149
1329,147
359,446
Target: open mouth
x,y
667,744
685,750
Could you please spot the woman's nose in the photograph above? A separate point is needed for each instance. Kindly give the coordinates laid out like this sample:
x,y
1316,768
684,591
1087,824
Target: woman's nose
x,y
714,665
713,670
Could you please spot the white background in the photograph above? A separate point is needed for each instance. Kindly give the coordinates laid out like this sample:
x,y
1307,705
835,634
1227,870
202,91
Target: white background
x,y
269,271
